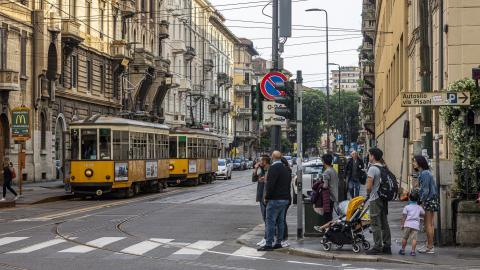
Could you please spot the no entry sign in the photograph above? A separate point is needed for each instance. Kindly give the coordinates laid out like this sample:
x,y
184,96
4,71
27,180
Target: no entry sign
x,y
268,85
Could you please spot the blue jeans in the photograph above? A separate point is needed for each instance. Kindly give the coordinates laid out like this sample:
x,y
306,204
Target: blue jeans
x,y
263,209
275,219
353,187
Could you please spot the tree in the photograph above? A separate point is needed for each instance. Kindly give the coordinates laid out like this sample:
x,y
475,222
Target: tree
x,y
314,117
345,117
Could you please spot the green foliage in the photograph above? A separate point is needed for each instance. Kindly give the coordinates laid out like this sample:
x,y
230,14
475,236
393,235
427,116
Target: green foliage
x,y
345,116
466,145
314,118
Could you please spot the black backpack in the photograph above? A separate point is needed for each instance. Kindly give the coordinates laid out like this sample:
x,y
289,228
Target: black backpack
x,y
388,189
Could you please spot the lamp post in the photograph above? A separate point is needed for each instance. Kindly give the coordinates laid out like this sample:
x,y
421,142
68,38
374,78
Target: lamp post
x,y
327,73
339,92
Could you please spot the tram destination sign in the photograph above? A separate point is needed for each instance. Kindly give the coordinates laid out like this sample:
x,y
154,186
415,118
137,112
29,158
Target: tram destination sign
x,y
421,99
21,123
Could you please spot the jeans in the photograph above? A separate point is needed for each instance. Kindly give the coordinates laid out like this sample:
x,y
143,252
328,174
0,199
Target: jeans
x,y
380,227
263,209
7,184
353,187
285,234
275,217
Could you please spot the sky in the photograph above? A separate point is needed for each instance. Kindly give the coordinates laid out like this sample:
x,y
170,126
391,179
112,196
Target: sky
x,y
245,19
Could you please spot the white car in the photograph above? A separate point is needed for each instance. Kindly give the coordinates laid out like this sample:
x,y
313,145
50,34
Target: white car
x,y
311,171
224,170
290,160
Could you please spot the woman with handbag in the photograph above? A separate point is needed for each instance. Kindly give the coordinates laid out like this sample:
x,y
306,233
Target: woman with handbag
x,y
428,199
8,176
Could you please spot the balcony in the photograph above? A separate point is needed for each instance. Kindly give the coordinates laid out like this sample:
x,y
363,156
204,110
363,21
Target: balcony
x,y
173,81
198,90
214,103
190,53
367,46
178,46
163,29
127,7
244,111
71,32
173,7
243,89
367,91
119,50
246,134
225,107
143,58
208,65
9,80
368,26
162,65
185,84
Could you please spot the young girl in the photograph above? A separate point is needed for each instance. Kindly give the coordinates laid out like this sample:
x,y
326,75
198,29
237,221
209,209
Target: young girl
x,y
410,223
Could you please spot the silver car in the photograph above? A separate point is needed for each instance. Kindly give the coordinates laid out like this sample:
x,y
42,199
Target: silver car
x,y
224,170
311,172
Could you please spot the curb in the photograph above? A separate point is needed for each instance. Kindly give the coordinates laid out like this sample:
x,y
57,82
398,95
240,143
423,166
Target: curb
x,y
50,199
7,204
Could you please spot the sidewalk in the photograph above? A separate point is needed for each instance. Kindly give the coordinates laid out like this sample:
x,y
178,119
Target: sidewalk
x,y
310,247
38,192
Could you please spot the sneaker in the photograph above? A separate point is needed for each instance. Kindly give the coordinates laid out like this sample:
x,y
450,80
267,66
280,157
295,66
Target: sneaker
x,y
402,252
262,243
431,250
265,248
412,253
374,251
387,250
2,199
285,244
427,250
16,198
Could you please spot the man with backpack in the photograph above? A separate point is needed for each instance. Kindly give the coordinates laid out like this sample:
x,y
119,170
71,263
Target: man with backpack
x,y
379,194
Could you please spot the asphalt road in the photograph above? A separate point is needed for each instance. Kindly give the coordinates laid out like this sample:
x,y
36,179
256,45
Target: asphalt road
x,y
183,228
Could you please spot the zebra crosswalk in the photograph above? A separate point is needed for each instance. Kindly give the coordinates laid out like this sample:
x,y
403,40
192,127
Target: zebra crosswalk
x,y
157,247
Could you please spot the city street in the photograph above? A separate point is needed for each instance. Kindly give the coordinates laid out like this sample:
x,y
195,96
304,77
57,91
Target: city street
x,y
184,228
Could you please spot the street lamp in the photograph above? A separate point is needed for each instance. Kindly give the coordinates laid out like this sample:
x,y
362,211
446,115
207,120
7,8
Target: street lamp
x,y
339,91
327,73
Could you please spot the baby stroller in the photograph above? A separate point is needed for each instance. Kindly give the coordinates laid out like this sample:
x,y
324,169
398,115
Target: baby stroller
x,y
349,228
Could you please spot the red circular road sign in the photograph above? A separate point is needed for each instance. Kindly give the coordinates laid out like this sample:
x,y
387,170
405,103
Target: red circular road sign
x,y
268,85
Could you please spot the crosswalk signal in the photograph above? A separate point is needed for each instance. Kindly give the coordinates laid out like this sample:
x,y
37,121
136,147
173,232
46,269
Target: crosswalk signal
x,y
287,99
256,100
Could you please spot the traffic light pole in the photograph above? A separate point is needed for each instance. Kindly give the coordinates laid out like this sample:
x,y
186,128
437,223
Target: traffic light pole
x,y
275,130
298,100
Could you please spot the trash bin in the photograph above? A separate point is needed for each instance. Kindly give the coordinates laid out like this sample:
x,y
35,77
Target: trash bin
x,y
311,219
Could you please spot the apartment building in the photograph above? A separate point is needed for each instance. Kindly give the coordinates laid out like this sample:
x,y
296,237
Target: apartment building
x,y
349,76
246,131
164,61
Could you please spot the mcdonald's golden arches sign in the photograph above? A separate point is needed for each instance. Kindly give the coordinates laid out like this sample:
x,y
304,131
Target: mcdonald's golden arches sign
x,y
21,123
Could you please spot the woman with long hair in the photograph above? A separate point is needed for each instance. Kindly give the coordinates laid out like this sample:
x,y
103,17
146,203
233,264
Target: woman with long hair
x,y
8,171
428,199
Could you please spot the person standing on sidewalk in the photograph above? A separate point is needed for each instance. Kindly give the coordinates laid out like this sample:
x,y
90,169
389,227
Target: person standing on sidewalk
x,y
8,175
428,199
259,174
285,235
410,223
354,167
277,194
378,206
330,182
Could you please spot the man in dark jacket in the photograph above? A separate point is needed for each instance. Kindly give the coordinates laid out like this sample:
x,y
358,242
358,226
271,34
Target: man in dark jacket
x,y
277,196
354,169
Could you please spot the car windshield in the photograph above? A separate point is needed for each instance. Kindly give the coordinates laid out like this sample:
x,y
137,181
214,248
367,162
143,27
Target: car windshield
x,y
312,169
221,163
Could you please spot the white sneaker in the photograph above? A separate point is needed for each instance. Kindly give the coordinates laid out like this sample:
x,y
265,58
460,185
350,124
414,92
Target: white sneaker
x,y
2,199
427,250
285,244
16,198
262,243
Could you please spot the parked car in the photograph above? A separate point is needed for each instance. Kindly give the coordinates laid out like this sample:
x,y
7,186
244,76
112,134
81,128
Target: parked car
x,y
250,164
239,164
289,159
224,170
311,172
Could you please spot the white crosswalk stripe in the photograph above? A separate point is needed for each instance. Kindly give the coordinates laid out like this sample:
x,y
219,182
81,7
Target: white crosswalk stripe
x,y
92,245
248,252
9,240
39,246
194,250
145,246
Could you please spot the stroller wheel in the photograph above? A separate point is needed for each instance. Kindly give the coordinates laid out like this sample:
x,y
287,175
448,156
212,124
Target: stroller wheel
x,y
338,246
355,248
327,246
366,245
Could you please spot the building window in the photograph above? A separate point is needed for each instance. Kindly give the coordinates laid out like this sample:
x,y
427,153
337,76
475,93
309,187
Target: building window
x,y
247,78
3,48
102,21
43,132
246,102
115,23
152,9
74,71
246,125
23,55
102,78
89,75
143,5
73,8
88,11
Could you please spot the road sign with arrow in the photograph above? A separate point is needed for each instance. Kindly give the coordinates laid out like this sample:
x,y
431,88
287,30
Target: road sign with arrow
x,y
420,99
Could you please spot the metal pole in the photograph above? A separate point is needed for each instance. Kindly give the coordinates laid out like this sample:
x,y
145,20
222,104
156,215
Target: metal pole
x,y
328,85
275,130
437,120
299,94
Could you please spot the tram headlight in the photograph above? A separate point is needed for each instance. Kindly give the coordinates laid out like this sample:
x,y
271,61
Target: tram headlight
x,y
171,167
88,172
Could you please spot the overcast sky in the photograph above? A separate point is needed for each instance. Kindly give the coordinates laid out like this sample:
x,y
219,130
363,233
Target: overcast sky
x,y
344,19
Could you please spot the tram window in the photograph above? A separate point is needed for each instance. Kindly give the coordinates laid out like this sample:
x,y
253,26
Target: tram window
x,y
139,145
105,143
192,148
165,146
89,144
173,147
161,146
120,145
209,148
74,144
201,148
182,147
151,146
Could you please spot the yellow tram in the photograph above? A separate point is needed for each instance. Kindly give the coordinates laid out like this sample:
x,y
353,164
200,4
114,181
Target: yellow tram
x,y
116,154
193,156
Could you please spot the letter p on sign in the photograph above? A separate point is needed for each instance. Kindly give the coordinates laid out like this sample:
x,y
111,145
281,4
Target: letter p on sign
x,y
452,98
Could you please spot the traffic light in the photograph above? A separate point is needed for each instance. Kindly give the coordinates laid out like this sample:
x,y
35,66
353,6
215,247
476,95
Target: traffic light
x,y
257,106
287,99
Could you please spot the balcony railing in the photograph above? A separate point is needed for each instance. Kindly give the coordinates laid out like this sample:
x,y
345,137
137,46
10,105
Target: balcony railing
x,y
243,89
190,53
127,7
119,49
162,65
246,134
9,80
244,111
178,46
71,32
208,65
